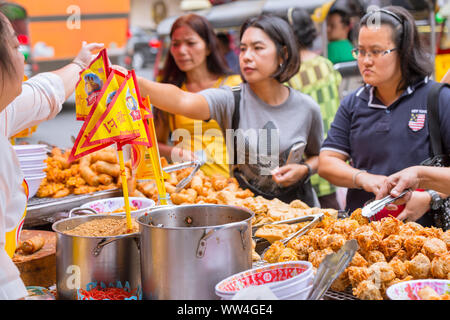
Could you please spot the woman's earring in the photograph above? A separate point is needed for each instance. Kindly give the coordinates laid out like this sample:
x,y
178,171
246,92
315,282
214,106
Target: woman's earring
x,y
281,65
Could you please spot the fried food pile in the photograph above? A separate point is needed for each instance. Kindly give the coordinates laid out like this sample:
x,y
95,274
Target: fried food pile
x,y
390,251
94,172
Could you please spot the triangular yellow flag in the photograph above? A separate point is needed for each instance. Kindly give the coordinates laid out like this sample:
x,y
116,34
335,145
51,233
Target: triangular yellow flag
x,y
122,121
89,87
79,148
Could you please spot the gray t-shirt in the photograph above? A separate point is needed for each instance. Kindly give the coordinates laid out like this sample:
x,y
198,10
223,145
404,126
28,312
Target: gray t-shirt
x,y
266,133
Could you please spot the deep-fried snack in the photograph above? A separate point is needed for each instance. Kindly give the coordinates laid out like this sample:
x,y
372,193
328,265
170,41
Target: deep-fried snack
x,y
390,226
367,290
341,283
368,240
381,272
301,245
287,254
333,241
298,204
375,256
446,238
273,253
413,245
357,274
440,267
344,227
32,245
275,232
430,232
419,267
316,235
391,245
111,169
399,268
64,192
358,261
316,257
105,179
434,247
107,155
357,215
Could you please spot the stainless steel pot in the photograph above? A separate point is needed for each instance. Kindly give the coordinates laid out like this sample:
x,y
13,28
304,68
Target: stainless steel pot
x,y
82,260
186,250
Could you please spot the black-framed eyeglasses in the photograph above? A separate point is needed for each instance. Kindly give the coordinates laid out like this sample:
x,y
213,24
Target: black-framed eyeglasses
x,y
373,54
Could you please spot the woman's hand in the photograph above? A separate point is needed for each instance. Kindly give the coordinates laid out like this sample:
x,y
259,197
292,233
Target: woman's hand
x,y
289,174
182,155
85,55
416,207
370,182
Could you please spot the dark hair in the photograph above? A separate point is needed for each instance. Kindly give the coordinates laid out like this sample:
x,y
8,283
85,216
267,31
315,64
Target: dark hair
x,y
345,16
303,26
282,35
414,62
222,37
5,50
215,61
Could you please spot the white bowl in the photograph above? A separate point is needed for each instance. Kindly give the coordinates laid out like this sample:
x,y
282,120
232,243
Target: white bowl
x,y
32,161
108,205
408,290
275,275
299,295
281,290
29,149
33,184
27,171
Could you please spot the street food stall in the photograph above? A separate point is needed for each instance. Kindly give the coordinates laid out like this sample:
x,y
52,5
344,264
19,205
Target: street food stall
x,y
115,237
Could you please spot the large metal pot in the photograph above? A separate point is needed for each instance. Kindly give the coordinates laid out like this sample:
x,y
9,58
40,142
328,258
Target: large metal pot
x,y
186,250
83,260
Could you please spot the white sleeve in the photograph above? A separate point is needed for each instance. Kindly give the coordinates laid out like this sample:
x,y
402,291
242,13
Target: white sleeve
x,y
41,99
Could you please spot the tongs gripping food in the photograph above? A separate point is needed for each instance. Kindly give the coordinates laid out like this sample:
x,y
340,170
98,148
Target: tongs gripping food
x,y
376,206
196,164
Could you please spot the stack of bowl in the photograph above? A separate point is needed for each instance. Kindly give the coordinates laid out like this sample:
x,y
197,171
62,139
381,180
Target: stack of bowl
x,y
31,159
292,280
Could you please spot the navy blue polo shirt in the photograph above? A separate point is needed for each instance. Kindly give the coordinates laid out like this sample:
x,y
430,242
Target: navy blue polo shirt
x,y
384,140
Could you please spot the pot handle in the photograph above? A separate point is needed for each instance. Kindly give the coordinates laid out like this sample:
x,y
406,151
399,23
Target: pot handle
x,y
81,211
208,234
104,242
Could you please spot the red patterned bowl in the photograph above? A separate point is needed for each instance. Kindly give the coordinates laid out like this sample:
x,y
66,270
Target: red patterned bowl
x,y
408,290
275,275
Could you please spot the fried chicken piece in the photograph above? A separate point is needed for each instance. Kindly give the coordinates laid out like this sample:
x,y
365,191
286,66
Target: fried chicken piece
x,y
381,272
64,192
75,181
287,254
84,189
440,267
316,236
367,290
377,227
358,261
316,257
399,268
434,247
357,215
390,226
332,241
419,267
48,189
430,232
401,254
274,252
375,256
413,245
219,182
302,246
446,238
344,227
369,240
244,194
357,274
391,245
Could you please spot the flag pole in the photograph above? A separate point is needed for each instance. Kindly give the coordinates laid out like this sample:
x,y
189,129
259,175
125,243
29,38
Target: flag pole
x,y
124,187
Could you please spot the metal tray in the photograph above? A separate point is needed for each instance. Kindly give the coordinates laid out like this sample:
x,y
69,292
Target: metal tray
x,y
42,211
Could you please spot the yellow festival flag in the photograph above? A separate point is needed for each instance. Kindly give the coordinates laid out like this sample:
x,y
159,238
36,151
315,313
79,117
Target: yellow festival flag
x,y
122,122
89,87
110,88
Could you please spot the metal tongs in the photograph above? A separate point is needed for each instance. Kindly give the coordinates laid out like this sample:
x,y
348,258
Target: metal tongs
x,y
376,206
196,164
315,219
331,268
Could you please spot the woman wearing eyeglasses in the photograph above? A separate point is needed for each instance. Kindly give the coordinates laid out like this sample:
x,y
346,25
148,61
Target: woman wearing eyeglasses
x,y
381,128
